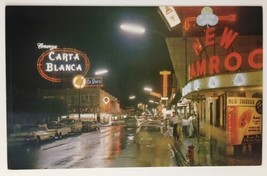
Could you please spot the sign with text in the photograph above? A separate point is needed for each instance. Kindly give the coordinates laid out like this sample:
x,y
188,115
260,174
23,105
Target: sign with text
x,y
217,64
90,109
62,63
94,82
244,120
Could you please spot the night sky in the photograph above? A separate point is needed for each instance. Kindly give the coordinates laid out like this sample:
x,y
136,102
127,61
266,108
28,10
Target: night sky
x,y
133,61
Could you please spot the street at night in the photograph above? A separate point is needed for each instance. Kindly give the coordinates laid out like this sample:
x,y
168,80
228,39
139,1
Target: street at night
x,y
173,87
108,147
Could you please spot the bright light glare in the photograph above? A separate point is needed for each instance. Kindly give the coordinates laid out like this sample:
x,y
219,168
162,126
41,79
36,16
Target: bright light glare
x,y
79,82
148,89
151,101
133,28
132,97
101,72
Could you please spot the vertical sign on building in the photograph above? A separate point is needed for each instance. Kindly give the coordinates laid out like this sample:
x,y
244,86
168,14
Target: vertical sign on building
x,y
165,74
170,16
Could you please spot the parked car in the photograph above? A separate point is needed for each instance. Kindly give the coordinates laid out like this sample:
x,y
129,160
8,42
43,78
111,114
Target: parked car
x,y
95,126
86,126
75,125
60,129
130,125
31,134
19,133
152,135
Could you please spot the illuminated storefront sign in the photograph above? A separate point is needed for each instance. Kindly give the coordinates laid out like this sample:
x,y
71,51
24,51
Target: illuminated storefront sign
x,y
79,82
223,81
58,64
89,109
94,82
230,62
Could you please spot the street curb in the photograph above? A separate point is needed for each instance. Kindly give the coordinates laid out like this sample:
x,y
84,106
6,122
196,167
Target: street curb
x,y
181,159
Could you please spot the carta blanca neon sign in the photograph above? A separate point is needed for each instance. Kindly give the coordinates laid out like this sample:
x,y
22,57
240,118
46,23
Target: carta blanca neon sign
x,y
62,63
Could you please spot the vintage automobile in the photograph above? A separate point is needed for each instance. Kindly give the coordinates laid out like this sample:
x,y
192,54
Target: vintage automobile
x,y
33,134
90,126
130,125
75,125
86,126
95,126
152,135
60,129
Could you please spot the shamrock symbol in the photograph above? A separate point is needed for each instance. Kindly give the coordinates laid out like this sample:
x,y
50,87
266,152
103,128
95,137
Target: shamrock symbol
x,y
207,17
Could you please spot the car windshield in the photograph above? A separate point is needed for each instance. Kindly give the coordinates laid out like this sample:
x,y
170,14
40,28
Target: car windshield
x,y
41,128
150,129
54,126
68,122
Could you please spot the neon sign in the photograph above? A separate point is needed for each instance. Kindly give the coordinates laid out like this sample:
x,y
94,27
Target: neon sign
x,y
79,82
106,100
232,61
58,64
45,46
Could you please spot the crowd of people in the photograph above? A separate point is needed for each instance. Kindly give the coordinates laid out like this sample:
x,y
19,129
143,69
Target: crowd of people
x,y
183,127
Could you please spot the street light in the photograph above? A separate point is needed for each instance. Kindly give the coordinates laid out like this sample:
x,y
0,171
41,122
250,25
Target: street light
x,y
132,97
138,29
133,28
148,89
101,72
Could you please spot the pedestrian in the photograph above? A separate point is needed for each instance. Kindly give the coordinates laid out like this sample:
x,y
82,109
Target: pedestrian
x,y
192,125
195,124
174,120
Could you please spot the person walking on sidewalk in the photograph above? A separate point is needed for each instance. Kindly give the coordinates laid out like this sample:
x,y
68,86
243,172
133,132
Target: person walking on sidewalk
x,y
192,125
174,120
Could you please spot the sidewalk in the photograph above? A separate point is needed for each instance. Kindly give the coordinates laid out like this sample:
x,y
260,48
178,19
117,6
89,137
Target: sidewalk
x,y
207,153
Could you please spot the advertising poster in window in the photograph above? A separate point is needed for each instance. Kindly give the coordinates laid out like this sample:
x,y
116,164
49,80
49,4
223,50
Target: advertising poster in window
x,y
244,120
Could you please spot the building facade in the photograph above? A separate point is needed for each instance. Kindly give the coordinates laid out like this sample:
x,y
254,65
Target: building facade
x,y
220,77
87,103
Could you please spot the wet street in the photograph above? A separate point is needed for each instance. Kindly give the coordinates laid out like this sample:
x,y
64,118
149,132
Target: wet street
x,y
109,147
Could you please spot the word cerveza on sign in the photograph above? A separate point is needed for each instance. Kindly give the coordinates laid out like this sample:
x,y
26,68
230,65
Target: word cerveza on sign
x,y
58,64
44,46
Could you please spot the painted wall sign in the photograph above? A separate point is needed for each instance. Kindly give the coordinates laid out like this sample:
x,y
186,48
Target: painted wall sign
x,y
244,122
217,64
62,63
